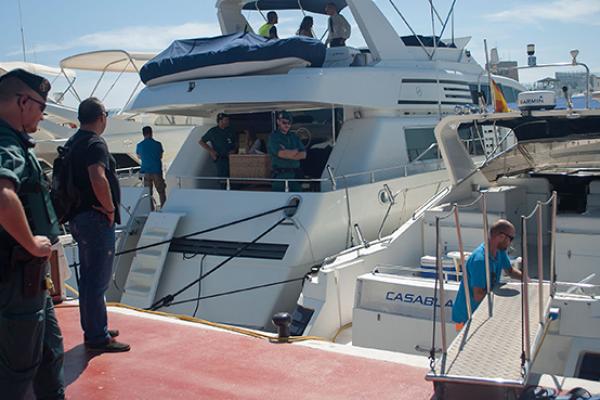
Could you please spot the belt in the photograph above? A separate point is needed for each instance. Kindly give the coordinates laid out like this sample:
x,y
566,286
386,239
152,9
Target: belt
x,y
284,170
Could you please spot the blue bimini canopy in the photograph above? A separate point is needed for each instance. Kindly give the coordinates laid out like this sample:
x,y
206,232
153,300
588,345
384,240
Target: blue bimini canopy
x,y
236,54
315,6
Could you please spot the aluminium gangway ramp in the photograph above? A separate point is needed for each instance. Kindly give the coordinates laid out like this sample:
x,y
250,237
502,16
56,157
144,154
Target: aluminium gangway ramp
x,y
488,350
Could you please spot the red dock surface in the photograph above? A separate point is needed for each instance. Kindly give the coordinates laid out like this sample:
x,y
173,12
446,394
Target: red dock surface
x,y
171,359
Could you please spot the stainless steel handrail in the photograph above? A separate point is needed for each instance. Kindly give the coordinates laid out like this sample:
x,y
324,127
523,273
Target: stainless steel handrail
x,y
537,211
463,264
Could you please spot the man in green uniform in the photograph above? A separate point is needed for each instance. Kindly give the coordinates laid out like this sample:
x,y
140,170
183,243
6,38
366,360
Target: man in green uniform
x,y
222,143
31,345
286,151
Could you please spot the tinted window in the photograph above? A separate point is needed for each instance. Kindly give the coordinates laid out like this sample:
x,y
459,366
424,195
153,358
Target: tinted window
x,y
125,161
485,89
590,367
471,139
417,141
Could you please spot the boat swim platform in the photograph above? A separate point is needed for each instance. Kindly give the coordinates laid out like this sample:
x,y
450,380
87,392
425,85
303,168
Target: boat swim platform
x,y
488,351
175,359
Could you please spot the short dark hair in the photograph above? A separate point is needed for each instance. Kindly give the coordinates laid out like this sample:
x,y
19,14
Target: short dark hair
x,y
332,4
10,86
271,15
90,110
147,130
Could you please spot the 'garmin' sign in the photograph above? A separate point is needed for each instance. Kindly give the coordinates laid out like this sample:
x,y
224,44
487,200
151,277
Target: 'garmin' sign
x,y
537,100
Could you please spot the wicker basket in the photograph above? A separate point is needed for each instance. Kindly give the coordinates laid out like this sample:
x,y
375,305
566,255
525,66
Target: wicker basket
x,y
249,166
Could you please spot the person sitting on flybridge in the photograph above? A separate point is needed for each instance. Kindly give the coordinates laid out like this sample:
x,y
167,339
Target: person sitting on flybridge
x,y
269,30
501,236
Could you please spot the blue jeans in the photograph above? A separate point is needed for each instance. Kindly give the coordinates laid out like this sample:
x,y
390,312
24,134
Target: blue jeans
x,y
96,243
31,344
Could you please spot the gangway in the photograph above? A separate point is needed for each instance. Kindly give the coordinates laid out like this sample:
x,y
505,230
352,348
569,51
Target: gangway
x,y
489,349
501,338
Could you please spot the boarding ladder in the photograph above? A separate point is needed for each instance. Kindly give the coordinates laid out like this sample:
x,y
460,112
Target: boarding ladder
x,y
489,349
146,268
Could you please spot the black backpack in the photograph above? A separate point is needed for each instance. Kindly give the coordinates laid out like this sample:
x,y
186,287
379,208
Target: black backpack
x,y
65,196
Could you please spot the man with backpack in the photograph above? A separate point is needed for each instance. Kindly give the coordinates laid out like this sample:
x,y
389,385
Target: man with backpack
x,y
31,345
92,222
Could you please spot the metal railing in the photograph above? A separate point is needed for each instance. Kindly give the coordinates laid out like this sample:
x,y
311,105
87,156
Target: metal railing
x,y
130,171
454,211
432,165
537,212
394,269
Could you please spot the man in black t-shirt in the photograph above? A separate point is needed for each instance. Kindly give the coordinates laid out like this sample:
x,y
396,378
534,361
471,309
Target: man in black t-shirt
x,y
93,224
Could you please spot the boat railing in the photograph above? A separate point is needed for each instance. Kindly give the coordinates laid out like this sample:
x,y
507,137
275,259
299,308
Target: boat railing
x,y
129,171
375,175
390,269
537,212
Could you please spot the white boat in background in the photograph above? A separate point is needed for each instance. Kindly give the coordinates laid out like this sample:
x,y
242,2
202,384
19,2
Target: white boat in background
x,y
123,131
367,117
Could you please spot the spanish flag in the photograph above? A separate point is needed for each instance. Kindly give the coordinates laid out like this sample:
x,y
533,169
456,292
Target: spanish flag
x,y
499,100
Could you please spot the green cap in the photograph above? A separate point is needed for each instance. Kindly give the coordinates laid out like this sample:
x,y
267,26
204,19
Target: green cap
x,y
37,83
284,115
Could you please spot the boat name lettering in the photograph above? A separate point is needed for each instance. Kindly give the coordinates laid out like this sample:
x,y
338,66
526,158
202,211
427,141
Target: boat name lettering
x,y
415,298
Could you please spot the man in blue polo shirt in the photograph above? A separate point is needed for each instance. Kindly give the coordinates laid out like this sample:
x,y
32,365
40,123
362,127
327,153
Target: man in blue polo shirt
x,y
501,235
151,152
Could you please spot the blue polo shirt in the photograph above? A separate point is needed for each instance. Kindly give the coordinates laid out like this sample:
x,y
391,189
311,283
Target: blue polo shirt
x,y
476,274
150,152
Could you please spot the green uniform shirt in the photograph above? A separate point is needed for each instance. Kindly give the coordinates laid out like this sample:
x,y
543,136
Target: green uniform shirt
x,y
223,141
280,141
19,164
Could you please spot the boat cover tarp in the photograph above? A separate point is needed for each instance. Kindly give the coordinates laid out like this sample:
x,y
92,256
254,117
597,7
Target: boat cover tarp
x,y
189,54
315,6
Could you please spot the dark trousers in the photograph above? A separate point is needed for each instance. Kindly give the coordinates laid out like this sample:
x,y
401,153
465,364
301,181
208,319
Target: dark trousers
x,y
337,42
31,344
293,186
96,244
222,167
156,180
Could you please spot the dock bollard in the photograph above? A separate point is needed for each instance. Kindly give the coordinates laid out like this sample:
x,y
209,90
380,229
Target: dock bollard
x,y
282,321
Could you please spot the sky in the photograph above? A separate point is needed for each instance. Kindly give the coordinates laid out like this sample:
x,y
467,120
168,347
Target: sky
x,y
56,29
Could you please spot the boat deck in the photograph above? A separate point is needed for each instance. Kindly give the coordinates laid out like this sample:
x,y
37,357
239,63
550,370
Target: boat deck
x,y
174,359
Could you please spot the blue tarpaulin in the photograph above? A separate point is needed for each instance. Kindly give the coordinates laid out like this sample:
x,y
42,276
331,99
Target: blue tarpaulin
x,y
191,54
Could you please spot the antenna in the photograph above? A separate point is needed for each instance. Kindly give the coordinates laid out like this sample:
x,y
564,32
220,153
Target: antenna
x,y
22,32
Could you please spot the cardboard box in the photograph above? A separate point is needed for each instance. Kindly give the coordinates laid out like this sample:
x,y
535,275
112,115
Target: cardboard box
x,y
249,166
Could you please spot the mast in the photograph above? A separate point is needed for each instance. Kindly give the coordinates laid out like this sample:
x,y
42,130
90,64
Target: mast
x,y
22,31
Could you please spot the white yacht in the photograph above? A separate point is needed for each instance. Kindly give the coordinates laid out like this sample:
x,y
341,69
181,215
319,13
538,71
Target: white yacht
x,y
367,119
386,294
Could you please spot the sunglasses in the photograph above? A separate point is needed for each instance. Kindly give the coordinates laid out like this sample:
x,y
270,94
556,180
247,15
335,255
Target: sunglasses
x,y
508,236
28,97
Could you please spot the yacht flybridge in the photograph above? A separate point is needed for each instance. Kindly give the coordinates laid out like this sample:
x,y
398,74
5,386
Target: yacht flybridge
x,y
397,293
232,250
